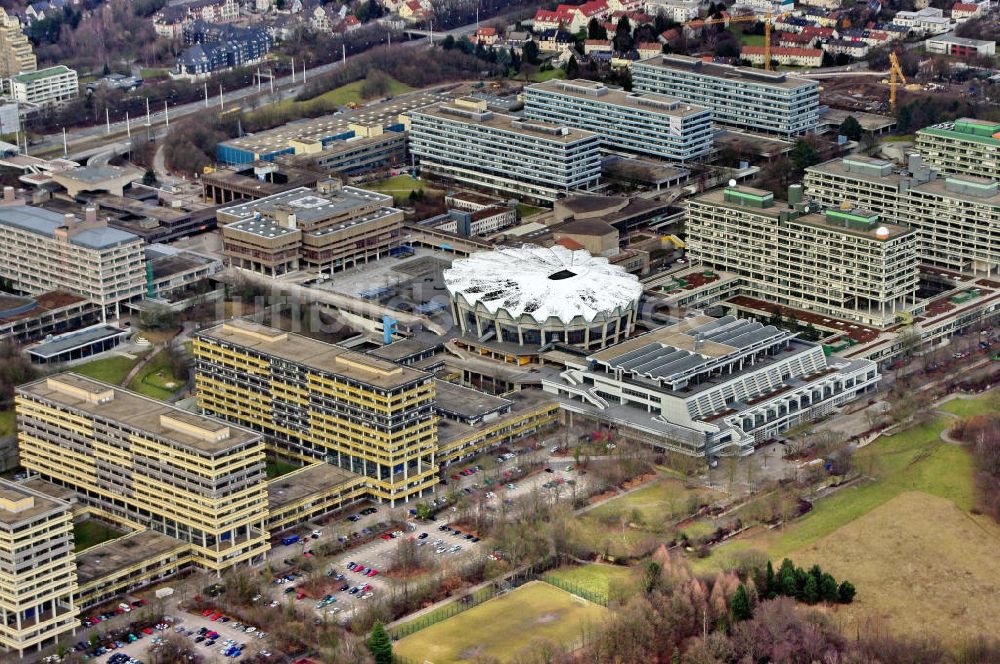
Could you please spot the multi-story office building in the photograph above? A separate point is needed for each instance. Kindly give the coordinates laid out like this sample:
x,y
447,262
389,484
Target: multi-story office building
x,y
37,569
316,401
956,216
16,54
194,478
329,228
761,101
51,86
465,142
710,386
636,122
966,146
42,251
842,263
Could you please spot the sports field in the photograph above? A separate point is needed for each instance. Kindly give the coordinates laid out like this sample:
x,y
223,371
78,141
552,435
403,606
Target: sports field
x,y
604,580
503,626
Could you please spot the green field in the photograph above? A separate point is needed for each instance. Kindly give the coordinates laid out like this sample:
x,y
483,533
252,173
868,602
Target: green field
x,y
109,369
91,533
751,40
527,210
913,460
7,423
503,627
547,75
606,580
279,468
153,74
400,187
332,100
986,403
156,380
664,498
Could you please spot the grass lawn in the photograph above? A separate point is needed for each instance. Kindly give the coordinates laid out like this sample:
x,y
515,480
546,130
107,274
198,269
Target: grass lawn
x,y
7,422
549,74
91,533
503,626
599,579
913,460
332,100
896,139
279,468
659,500
111,369
156,380
986,403
527,210
752,40
940,579
399,187
153,74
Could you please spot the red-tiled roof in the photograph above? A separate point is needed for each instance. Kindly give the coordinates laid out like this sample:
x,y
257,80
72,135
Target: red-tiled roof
x,y
783,50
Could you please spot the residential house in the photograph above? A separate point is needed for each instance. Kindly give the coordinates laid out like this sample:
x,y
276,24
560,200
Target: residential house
x,y
963,11
555,41
591,46
648,49
796,40
680,11
784,55
487,36
854,49
235,47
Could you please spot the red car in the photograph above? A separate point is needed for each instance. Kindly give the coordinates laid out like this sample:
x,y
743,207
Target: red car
x,y
147,630
373,572
366,587
211,635
207,612
299,595
215,616
386,536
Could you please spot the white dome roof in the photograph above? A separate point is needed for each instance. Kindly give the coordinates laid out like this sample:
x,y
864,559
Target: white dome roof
x,y
542,282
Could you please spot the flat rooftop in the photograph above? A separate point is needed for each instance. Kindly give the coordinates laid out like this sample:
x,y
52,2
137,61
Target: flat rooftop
x,y
99,399
317,478
747,75
521,401
466,402
326,127
19,504
98,562
644,101
310,206
99,174
505,123
45,223
78,339
314,354
405,348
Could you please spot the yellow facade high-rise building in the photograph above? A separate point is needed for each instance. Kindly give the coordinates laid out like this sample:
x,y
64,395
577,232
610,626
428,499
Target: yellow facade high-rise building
x,y
16,54
317,401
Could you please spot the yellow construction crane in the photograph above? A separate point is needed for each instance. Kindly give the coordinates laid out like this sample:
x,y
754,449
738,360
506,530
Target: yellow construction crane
x,y
749,18
895,77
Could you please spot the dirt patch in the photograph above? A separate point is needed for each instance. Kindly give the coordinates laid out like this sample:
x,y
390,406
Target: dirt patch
x,y
547,618
638,481
470,653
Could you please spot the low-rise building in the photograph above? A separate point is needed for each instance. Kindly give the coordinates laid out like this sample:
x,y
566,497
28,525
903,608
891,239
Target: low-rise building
x,y
962,47
44,87
329,228
24,318
465,142
784,55
854,48
963,11
709,387
221,47
926,21
635,122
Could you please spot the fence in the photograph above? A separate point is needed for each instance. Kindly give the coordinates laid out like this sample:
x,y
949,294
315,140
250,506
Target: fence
x,y
579,591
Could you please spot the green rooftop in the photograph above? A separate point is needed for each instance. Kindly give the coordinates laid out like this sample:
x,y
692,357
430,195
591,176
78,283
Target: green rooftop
x,y
977,127
954,134
748,196
29,76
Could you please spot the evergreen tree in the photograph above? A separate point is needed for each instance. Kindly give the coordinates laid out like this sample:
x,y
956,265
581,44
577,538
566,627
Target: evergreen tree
x,y
828,588
380,645
810,593
595,30
846,592
801,577
770,582
851,128
448,43
739,605
572,71
623,36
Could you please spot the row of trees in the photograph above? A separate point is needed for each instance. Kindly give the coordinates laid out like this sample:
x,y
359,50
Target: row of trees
x,y
981,434
812,586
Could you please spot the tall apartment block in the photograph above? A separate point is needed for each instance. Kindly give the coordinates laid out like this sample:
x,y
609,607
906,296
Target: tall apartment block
x,y
966,146
194,478
316,401
332,228
43,251
955,216
50,86
16,54
465,142
751,99
842,263
37,569
643,123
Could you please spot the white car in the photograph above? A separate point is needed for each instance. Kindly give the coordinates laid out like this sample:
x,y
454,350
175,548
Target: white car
x,y
250,630
318,533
